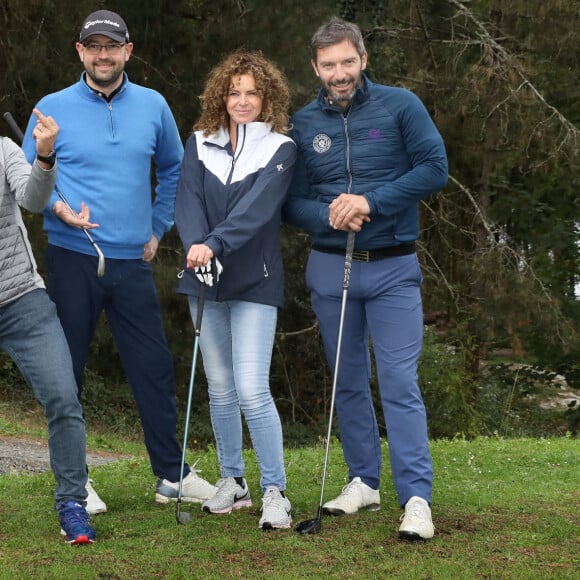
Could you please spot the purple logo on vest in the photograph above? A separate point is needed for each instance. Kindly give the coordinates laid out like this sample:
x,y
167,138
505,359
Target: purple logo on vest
x,y
374,134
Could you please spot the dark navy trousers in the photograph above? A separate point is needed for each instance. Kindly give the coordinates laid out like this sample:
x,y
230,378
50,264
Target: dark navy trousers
x,y
127,295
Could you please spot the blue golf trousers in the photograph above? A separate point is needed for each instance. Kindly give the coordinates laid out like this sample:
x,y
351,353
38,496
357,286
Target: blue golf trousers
x,y
31,334
383,304
128,297
236,341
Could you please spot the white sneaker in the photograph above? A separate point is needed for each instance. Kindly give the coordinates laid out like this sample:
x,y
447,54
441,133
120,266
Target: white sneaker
x,y
95,505
417,523
194,489
355,496
275,510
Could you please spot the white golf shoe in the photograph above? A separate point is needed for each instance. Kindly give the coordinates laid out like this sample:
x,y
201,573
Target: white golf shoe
x,y
194,489
355,496
95,505
416,521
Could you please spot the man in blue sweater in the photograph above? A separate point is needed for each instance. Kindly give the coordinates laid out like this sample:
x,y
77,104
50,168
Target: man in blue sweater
x,y
110,130
368,154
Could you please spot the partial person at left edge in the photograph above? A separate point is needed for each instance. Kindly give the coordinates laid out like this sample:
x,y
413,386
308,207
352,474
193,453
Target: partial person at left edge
x,y
30,331
112,133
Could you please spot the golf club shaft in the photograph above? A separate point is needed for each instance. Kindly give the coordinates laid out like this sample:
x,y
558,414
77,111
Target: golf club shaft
x,y
200,303
20,136
345,285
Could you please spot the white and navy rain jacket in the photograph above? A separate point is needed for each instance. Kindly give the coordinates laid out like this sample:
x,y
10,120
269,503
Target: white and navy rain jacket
x,y
232,203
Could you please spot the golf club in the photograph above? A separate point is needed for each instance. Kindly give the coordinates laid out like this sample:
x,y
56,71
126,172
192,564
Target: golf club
x,y
314,526
20,136
185,517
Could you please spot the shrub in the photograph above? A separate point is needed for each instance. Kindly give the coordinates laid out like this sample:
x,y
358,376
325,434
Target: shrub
x,y
447,389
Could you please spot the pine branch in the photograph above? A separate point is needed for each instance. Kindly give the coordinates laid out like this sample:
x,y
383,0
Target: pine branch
x,y
505,57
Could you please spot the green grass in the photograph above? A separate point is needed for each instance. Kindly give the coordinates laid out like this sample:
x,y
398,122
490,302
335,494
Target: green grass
x,y
502,509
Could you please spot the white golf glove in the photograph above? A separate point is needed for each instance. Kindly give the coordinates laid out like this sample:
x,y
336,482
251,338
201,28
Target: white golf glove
x,y
210,273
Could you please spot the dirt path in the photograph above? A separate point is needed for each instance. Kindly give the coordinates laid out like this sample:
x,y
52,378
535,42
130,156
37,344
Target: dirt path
x,y
28,455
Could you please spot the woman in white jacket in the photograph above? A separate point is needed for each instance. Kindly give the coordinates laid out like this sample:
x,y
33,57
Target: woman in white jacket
x,y
236,171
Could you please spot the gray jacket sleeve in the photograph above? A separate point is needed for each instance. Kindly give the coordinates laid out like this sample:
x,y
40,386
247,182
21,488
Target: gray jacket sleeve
x,y
31,185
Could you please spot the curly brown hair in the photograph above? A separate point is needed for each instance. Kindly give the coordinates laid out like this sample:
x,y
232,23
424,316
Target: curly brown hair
x,y
270,84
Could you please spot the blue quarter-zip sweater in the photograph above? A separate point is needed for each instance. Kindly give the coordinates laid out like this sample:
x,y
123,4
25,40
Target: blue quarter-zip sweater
x,y
232,203
104,151
386,147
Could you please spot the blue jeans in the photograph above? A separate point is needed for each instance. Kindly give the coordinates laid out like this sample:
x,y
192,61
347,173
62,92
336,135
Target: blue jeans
x,y
31,334
384,304
236,341
127,295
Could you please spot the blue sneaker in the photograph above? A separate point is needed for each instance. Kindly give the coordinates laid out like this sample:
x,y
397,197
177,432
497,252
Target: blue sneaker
x,y
74,521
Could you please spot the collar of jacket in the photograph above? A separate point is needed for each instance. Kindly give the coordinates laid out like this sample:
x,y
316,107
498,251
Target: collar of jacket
x,y
254,131
361,95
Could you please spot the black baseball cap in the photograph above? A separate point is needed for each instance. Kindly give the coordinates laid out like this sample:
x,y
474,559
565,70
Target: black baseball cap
x,y
106,23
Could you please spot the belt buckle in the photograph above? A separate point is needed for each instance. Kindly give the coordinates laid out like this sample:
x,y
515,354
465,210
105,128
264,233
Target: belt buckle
x,y
361,255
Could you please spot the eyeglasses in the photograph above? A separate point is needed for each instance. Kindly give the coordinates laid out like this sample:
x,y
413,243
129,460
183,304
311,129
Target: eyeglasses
x,y
95,48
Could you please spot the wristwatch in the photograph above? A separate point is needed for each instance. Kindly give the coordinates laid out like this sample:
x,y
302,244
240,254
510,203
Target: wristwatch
x,y
49,159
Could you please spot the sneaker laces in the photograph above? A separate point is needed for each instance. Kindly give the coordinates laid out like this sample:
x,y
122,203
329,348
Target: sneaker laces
x,y
74,517
273,499
193,469
226,484
416,509
350,487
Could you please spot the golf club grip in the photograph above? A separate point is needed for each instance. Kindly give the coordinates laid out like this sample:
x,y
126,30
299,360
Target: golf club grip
x,y
200,303
14,127
348,258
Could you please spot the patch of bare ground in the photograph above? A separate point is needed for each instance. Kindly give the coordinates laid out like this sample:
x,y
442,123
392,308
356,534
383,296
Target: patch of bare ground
x,y
30,455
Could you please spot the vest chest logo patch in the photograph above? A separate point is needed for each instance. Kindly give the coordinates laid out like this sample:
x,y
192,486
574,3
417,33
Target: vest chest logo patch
x,y
321,143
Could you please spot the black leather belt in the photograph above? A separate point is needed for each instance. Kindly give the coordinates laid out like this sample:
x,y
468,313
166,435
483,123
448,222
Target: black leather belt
x,y
373,255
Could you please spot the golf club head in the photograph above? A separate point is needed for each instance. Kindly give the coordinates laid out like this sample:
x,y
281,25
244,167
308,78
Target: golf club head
x,y
309,526
182,518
